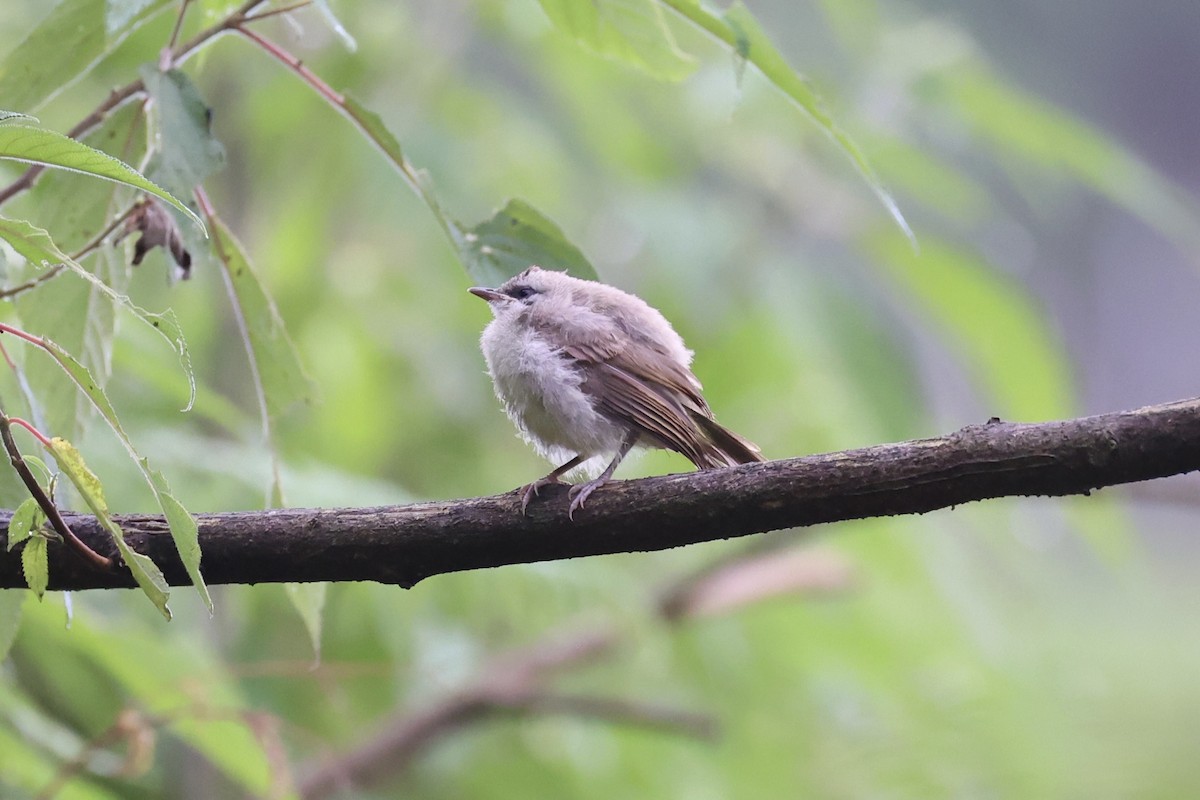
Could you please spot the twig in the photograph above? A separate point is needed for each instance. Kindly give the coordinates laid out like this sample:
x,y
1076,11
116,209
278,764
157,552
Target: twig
x,y
274,12
294,64
43,500
120,96
406,544
512,683
183,7
621,711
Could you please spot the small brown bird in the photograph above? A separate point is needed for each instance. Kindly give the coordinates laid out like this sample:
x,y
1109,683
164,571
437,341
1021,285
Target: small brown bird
x,y
584,369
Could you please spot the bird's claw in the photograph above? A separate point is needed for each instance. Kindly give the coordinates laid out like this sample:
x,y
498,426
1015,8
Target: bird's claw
x,y
579,493
531,491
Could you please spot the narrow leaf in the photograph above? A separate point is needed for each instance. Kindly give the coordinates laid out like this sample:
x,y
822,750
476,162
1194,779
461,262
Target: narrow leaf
x,y
281,378
1052,140
373,127
739,30
41,146
631,31
68,40
31,242
515,237
9,116
182,526
184,530
36,564
118,14
186,152
36,247
25,520
309,601
145,572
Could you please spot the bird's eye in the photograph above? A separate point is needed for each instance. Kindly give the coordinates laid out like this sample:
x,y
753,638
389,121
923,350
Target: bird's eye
x,y
521,292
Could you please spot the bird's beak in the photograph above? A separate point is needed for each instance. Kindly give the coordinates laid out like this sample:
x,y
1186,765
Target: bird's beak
x,y
491,295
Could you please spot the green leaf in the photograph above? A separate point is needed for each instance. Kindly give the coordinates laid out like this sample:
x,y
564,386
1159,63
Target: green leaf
x,y
119,14
186,151
36,247
281,378
514,238
740,31
182,525
41,146
64,44
1001,335
145,572
185,533
68,42
632,31
372,126
11,601
36,564
1050,139
25,520
31,243
9,116
309,601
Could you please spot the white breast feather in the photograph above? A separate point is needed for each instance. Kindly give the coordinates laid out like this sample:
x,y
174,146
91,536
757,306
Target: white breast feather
x,y
540,392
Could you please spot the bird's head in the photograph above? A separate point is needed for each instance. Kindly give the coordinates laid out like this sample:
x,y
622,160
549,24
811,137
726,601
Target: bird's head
x,y
533,288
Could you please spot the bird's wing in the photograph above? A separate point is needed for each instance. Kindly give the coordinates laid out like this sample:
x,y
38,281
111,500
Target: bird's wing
x,y
638,384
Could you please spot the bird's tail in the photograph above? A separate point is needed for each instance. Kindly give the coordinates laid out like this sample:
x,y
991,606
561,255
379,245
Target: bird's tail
x,y
724,447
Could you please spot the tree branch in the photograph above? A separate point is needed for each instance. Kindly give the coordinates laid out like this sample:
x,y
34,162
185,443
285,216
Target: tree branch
x,y
405,544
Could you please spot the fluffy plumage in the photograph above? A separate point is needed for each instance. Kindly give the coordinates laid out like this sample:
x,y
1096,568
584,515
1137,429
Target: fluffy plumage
x,y
584,369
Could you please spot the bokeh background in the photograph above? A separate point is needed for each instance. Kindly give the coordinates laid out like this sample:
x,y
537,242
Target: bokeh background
x,y
1047,159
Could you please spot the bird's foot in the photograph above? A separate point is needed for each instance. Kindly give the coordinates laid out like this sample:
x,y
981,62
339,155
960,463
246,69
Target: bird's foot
x,y
531,491
580,492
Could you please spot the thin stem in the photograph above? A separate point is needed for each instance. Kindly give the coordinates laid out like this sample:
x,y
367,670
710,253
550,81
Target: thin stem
x,y
119,97
268,428
29,337
21,288
183,7
39,494
274,12
295,64
99,238
41,437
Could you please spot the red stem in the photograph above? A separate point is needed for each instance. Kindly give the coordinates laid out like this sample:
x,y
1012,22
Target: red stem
x,y
41,437
293,63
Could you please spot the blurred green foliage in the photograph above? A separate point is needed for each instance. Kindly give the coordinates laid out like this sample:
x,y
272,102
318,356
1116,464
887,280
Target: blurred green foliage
x,y
1005,650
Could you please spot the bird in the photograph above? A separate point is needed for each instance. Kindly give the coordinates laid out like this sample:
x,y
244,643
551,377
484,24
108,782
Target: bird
x,y
584,369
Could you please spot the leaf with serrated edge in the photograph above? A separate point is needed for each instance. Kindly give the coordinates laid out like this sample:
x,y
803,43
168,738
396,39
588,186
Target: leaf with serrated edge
x,y
182,525
632,31
41,146
25,520
740,31
36,564
35,246
9,116
515,237
309,601
282,378
187,152
145,572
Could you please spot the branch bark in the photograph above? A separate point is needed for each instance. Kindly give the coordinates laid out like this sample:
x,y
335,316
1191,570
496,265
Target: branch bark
x,y
406,544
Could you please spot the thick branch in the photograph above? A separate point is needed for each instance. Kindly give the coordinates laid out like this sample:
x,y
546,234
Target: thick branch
x,y
405,544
